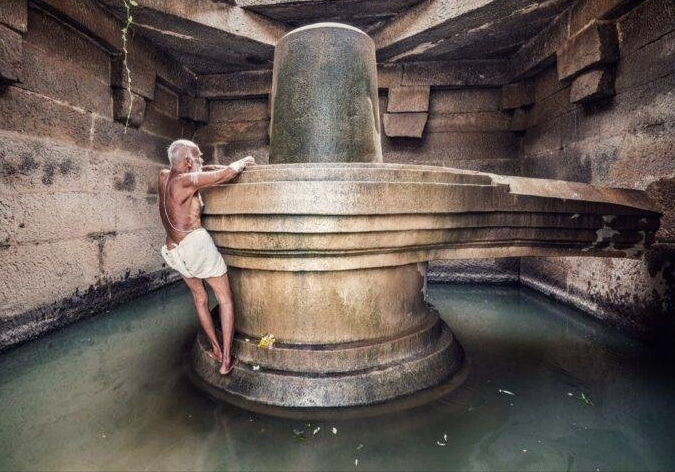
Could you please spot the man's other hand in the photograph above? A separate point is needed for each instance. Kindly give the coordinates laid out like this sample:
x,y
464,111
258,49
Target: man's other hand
x,y
241,164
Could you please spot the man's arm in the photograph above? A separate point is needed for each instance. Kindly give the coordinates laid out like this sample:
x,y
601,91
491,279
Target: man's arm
x,y
209,167
200,180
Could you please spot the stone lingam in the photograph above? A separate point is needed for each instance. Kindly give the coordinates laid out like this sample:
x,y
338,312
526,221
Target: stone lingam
x,y
327,246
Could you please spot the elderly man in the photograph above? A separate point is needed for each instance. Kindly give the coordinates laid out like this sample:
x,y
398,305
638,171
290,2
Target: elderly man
x,y
189,249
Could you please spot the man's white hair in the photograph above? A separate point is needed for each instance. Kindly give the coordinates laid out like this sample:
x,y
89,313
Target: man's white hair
x,y
179,149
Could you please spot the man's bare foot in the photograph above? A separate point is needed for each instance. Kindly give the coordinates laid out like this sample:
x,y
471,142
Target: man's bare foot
x,y
215,353
227,367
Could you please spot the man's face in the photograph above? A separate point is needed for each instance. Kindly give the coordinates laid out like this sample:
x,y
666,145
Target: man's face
x,y
196,160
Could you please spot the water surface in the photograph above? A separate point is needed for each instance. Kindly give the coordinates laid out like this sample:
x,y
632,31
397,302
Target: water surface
x,y
549,389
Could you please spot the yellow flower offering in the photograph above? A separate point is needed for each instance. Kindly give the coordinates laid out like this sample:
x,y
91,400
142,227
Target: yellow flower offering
x,y
266,341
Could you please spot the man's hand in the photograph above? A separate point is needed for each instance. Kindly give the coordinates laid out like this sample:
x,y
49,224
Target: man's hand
x,y
241,164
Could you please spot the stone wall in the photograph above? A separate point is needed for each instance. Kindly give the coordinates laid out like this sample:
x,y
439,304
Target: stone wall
x,y
79,228
620,141
465,129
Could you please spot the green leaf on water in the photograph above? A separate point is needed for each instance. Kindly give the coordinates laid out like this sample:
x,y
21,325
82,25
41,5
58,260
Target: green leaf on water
x,y
586,399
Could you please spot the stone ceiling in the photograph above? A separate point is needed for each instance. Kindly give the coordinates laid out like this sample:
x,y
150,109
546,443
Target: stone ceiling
x,y
212,37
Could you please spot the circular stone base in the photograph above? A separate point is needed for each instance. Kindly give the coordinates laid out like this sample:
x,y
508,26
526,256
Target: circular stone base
x,y
359,375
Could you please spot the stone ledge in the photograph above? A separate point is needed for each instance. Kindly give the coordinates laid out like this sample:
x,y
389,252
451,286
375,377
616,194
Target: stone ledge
x,y
35,323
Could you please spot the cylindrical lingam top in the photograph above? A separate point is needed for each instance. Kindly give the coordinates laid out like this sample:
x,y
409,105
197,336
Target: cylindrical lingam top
x,y
324,97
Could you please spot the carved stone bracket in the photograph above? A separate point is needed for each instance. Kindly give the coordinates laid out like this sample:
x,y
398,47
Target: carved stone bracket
x,y
407,111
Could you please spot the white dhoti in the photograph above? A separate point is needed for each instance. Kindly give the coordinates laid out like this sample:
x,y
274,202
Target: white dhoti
x,y
196,256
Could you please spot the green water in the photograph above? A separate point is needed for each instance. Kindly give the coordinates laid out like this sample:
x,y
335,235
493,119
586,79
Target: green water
x,y
110,394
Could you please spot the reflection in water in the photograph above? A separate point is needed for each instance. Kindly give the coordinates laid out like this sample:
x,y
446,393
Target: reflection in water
x,y
110,394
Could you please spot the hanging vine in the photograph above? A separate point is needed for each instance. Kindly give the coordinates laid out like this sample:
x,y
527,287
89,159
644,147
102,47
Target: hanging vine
x,y
128,4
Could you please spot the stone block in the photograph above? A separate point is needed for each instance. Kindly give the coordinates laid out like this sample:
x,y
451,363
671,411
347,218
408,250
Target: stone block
x,y
464,101
455,73
453,146
226,153
410,125
494,271
143,76
539,51
62,215
541,270
641,150
112,173
11,56
542,138
193,109
653,61
235,85
41,166
67,47
555,105
519,120
518,95
593,85
165,101
233,131
66,82
594,46
8,222
14,13
132,253
136,212
42,273
128,107
585,12
389,75
159,124
547,84
645,24
408,99
662,192
484,121
251,109
26,112
111,136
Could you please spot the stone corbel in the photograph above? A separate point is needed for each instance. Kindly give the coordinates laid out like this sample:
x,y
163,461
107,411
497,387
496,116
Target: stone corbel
x,y
518,98
407,111
588,60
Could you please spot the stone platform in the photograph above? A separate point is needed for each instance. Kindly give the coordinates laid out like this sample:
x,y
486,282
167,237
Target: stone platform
x,y
331,259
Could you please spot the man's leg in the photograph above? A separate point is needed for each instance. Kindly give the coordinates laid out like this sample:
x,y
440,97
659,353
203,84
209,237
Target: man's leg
x,y
201,299
221,288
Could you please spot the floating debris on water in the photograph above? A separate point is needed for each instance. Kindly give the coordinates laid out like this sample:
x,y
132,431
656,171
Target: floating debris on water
x,y
507,392
356,462
299,434
267,341
256,367
359,447
334,430
441,443
318,428
584,398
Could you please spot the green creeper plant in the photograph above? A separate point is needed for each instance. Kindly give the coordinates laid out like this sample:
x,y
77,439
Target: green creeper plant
x,y
128,4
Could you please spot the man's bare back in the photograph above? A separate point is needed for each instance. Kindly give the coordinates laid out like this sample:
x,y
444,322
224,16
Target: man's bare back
x,y
189,248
